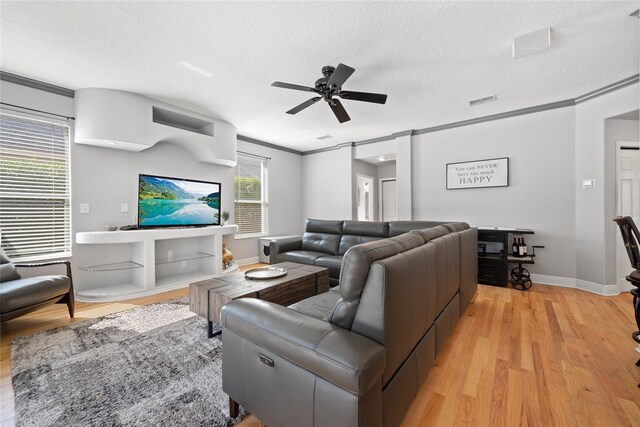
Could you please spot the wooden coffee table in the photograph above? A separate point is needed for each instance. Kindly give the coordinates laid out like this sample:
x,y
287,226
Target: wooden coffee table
x,y
207,297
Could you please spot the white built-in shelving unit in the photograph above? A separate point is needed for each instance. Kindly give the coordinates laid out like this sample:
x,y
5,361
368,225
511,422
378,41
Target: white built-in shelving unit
x,y
152,261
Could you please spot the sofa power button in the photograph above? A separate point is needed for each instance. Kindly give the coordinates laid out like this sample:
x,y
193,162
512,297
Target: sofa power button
x,y
264,359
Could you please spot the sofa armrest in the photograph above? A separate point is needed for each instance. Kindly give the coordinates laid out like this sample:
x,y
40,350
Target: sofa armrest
x,y
284,245
345,359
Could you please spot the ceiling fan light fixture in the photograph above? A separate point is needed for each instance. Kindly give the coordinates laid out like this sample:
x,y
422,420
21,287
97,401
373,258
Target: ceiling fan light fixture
x,y
329,88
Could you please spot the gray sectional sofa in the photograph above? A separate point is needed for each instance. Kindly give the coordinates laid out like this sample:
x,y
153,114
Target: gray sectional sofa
x,y
324,243
357,354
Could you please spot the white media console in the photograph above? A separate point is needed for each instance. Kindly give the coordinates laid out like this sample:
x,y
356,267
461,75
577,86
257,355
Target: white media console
x,y
145,262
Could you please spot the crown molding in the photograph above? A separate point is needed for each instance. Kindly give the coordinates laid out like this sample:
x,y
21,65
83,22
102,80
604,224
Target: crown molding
x,y
607,89
36,84
59,90
268,144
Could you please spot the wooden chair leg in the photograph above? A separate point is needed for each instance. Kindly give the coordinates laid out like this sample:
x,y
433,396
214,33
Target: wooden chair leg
x,y
71,305
234,408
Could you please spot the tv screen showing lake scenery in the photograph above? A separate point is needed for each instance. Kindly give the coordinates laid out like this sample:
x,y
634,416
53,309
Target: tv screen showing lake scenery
x,y
175,202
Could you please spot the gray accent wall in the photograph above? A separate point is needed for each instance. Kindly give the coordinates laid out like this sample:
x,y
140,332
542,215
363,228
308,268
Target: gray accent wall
x,y
540,194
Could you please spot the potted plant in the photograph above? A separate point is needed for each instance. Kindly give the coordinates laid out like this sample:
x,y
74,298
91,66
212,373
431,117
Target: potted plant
x,y
225,217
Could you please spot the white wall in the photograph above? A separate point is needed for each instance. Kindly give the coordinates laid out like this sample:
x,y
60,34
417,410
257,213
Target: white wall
x,y
327,185
591,216
615,130
387,170
541,181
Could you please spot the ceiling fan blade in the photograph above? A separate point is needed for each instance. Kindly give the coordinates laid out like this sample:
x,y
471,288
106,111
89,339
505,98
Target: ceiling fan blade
x,y
292,86
340,75
378,98
304,105
339,111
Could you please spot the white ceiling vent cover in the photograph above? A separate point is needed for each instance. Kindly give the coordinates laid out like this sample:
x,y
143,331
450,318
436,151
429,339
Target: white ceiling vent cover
x,y
528,44
483,100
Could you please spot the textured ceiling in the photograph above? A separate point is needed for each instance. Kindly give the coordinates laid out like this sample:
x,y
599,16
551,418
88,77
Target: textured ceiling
x,y
430,57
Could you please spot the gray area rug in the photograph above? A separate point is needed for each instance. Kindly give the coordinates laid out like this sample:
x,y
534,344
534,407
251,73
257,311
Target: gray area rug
x,y
148,366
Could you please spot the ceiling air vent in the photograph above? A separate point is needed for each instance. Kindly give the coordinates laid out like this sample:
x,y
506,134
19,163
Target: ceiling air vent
x,y
322,138
530,43
483,100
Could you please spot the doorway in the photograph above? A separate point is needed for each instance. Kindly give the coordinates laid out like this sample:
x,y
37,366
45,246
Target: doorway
x,y
365,197
388,206
627,201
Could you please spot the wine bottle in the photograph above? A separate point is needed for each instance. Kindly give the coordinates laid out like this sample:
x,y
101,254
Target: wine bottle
x,y
524,248
521,247
514,248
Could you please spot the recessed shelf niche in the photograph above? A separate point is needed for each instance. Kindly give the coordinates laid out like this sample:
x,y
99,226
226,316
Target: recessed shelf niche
x,y
182,121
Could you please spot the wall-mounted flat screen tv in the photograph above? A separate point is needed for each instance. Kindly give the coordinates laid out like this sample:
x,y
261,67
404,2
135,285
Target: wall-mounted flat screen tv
x,y
177,202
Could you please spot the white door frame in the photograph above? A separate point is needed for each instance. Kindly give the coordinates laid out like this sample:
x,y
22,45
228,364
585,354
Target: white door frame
x,y
389,178
372,194
623,286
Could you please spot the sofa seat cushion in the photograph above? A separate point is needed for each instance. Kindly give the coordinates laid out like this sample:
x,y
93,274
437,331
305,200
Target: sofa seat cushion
x,y
332,262
319,306
301,257
21,293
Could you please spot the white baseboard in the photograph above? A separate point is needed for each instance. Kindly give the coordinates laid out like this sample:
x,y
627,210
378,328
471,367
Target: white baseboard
x,y
568,282
248,261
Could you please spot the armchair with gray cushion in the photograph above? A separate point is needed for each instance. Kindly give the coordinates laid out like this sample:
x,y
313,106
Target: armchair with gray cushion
x,y
20,296
356,355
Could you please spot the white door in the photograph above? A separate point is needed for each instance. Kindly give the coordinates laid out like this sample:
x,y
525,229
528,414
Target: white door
x,y
388,206
365,198
628,201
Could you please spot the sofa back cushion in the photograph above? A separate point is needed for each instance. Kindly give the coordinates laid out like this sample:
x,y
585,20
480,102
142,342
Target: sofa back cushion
x,y
404,294
322,236
8,271
358,232
400,227
356,265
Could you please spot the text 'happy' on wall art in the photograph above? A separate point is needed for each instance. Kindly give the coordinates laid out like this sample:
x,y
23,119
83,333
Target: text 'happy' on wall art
x,y
478,174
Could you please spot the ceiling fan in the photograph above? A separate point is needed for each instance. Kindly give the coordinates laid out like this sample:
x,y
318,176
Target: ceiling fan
x,y
329,87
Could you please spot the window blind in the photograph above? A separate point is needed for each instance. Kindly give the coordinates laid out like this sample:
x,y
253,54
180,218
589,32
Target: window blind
x,y
35,217
251,207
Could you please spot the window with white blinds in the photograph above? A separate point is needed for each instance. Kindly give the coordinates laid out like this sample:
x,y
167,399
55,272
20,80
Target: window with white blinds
x,y
250,186
35,194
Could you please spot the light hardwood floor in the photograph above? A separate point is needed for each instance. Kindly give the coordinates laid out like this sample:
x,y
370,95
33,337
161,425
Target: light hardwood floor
x,y
547,357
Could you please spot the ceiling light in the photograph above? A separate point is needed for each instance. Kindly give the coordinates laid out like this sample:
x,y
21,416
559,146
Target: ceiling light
x,y
196,69
324,137
381,159
110,142
483,100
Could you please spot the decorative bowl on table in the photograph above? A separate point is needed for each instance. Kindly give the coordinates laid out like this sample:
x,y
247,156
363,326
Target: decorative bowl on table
x,y
265,273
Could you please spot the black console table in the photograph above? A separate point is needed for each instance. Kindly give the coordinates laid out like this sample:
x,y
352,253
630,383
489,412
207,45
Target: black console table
x,y
494,254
